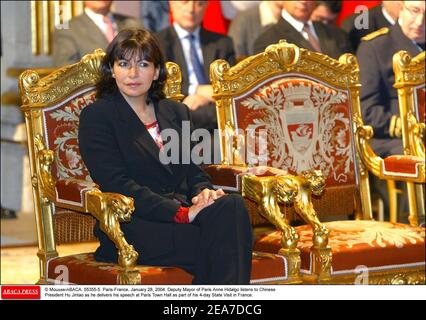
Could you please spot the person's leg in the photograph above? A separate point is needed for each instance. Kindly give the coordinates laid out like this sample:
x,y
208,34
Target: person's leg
x,y
158,244
225,243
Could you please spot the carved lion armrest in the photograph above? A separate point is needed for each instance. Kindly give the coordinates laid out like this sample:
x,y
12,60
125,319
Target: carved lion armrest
x,y
110,209
84,196
268,187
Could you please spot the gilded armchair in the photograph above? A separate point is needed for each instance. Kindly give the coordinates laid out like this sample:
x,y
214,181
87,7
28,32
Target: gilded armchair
x,y
297,113
68,202
410,83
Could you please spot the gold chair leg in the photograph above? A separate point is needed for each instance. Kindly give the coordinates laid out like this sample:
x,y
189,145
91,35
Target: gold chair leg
x,y
420,196
393,200
412,203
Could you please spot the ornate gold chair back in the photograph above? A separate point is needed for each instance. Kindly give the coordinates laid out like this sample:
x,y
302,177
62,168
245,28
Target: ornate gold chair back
x,y
291,110
410,83
294,110
67,201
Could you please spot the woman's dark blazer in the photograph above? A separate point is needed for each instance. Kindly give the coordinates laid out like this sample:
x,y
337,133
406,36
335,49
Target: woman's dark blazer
x,y
122,157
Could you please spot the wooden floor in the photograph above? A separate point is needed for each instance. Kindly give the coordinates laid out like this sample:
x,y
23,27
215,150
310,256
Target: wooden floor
x,y
20,231
19,265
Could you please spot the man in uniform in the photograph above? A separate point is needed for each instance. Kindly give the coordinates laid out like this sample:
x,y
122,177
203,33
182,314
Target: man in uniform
x,y
383,15
379,99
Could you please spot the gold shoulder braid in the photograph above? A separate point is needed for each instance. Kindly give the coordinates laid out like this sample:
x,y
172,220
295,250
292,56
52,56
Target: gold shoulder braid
x,y
375,34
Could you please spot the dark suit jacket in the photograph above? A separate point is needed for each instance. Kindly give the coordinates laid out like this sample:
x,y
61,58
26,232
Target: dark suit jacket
x,y
122,157
83,36
376,21
379,99
333,41
244,29
214,46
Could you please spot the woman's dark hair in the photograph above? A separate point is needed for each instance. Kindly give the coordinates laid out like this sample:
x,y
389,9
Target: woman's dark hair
x,y
127,44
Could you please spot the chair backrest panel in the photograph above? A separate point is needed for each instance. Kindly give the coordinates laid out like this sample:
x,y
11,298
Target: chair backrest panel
x,y
307,123
410,82
61,132
295,110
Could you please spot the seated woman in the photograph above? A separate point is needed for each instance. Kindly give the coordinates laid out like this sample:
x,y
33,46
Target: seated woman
x,y
179,219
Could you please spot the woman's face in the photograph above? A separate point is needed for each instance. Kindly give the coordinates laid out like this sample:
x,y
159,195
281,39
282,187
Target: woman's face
x,y
134,77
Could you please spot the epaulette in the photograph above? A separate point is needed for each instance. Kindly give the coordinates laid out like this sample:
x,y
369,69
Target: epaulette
x,y
375,34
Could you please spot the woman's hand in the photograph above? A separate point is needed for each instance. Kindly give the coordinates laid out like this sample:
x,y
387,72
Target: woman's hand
x,y
207,196
204,199
194,101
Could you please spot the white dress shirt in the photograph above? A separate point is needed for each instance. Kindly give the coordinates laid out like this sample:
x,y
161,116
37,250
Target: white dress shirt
x,y
184,40
298,25
98,19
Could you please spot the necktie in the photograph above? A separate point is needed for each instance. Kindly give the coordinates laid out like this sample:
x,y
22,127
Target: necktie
x,y
195,60
110,34
311,38
421,46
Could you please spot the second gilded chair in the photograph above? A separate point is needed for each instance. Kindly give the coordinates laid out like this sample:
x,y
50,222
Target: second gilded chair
x,y
299,112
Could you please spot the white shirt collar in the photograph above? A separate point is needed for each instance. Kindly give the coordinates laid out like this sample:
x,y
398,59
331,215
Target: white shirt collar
x,y
182,33
296,24
98,19
387,16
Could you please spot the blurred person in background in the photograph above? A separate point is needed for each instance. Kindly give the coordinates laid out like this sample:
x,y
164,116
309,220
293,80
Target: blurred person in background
x,y
326,11
295,26
379,99
194,48
93,29
384,15
250,23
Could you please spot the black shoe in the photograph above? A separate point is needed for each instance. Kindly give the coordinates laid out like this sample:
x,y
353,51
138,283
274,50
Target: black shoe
x,y
8,214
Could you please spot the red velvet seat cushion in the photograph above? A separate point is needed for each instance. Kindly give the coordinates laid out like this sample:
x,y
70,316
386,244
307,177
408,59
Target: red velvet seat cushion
x,y
376,245
83,269
402,166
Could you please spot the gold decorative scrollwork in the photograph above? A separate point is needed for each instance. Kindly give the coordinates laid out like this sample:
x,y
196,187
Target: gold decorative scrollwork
x,y
234,80
408,70
403,278
44,161
286,54
172,90
217,69
92,61
416,135
410,77
38,92
369,158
